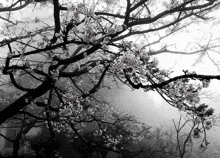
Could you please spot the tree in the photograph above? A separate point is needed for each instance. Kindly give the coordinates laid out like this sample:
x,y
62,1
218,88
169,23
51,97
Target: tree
x,y
42,144
90,41
185,139
100,129
23,122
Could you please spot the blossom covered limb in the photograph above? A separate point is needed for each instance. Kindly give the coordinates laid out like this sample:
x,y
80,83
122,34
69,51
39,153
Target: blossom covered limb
x,y
164,83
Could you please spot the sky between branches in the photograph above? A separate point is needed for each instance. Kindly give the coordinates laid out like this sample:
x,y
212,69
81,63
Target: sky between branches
x,y
182,41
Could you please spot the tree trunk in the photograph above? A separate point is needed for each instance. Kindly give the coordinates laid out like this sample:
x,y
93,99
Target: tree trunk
x,y
15,148
20,103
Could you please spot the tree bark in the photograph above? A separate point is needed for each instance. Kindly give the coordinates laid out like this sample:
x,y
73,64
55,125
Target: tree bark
x,y
23,101
16,145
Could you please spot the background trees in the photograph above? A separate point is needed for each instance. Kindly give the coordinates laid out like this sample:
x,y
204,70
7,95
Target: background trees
x,y
70,54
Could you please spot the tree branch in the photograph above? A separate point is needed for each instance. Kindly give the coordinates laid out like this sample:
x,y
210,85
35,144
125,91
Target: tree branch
x,y
23,101
56,20
97,86
164,83
10,8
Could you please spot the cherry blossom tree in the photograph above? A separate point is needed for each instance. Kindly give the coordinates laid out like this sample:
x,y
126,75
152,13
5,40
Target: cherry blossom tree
x,y
82,46
197,129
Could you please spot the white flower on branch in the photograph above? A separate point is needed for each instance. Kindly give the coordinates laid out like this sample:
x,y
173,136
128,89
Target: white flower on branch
x,y
143,81
119,28
71,7
111,30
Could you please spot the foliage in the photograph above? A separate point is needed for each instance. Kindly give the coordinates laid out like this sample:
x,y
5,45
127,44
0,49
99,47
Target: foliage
x,y
100,128
42,144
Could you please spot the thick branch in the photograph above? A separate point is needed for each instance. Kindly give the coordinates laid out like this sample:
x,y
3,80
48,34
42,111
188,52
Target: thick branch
x,y
10,8
13,81
23,101
56,20
74,58
180,8
152,30
52,134
138,5
127,14
78,72
164,83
